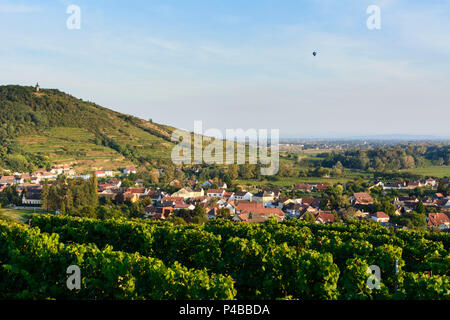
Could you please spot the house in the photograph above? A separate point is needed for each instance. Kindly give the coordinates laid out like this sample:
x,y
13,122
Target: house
x,y
25,177
180,206
259,215
57,170
108,194
438,195
247,205
116,183
297,209
103,173
208,183
274,204
285,201
85,176
32,196
138,191
431,182
155,195
211,213
303,187
158,213
7,180
228,194
313,202
393,186
198,200
105,186
361,198
414,184
407,203
380,217
242,195
215,193
321,187
129,170
229,204
439,220
264,196
324,217
35,180
188,192
222,185
191,183
173,200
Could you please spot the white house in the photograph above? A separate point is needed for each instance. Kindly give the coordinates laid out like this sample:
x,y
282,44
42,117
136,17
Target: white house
x,y
129,170
215,193
33,198
242,195
380,217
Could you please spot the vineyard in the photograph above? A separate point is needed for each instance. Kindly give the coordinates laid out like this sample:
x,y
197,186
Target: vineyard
x,y
131,259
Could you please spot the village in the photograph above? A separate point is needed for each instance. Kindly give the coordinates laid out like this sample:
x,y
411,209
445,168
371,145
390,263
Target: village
x,y
237,203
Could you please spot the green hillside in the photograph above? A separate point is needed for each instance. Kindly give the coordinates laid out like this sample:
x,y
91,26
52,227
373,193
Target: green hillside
x,y
51,127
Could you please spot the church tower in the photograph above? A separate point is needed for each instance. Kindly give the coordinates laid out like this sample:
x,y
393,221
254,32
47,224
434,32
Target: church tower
x,y
36,88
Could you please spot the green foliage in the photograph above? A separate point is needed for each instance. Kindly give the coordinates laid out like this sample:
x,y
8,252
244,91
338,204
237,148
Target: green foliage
x,y
275,260
25,114
72,196
34,264
9,195
393,158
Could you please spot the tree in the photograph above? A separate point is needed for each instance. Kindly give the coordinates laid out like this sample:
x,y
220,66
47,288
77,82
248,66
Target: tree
x,y
177,220
10,195
233,171
93,189
154,176
420,208
199,219
199,211
227,180
385,206
224,213
412,220
349,213
146,201
443,187
309,217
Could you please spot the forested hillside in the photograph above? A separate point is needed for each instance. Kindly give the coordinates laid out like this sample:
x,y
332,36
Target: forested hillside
x,y
51,126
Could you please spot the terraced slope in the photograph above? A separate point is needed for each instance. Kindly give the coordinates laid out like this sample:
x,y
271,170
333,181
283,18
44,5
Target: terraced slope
x,y
53,124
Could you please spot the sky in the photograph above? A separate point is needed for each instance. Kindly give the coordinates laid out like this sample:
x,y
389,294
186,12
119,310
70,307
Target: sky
x,y
242,63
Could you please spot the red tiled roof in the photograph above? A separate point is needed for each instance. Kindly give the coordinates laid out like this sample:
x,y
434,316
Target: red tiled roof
x,y
436,219
215,191
380,215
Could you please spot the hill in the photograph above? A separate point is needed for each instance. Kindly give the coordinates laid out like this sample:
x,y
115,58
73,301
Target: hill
x,y
52,127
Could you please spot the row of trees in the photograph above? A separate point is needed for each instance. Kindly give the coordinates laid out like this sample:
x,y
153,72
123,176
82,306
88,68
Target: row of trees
x,y
394,158
71,196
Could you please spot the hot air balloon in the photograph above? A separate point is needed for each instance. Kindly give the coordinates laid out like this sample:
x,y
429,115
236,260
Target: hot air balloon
x,y
314,53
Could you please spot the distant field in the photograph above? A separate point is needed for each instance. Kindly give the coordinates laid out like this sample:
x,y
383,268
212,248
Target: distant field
x,y
16,214
434,171
289,181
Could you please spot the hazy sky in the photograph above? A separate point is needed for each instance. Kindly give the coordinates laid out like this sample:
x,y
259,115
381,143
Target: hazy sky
x,y
241,63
